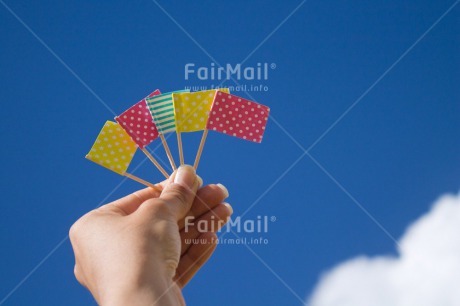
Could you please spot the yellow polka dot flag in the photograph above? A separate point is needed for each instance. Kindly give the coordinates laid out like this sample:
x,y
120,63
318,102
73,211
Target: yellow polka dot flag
x,y
191,109
113,149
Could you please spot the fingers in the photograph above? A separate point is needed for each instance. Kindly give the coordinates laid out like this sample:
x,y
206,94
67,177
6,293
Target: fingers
x,y
195,257
129,204
176,198
206,199
212,221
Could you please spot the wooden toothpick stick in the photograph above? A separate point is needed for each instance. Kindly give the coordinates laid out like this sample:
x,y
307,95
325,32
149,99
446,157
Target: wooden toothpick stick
x,y
181,152
139,180
155,162
168,152
200,149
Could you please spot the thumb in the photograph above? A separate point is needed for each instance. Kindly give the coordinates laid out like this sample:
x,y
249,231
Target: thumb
x,y
180,190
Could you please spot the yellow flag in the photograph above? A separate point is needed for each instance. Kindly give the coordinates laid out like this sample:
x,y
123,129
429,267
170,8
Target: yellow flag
x,y
191,109
113,149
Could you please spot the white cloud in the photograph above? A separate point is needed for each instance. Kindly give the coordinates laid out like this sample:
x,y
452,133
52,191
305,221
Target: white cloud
x,y
426,272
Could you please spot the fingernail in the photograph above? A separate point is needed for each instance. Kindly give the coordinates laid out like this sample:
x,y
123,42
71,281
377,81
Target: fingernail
x,y
230,208
224,189
185,176
200,180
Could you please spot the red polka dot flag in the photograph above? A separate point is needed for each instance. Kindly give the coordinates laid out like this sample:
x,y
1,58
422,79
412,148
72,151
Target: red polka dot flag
x,y
138,123
235,116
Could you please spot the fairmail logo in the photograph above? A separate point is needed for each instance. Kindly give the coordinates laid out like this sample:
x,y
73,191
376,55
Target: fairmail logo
x,y
260,224
258,72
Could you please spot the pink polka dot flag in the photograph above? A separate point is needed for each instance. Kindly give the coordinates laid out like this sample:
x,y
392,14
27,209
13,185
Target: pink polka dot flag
x,y
235,116
138,123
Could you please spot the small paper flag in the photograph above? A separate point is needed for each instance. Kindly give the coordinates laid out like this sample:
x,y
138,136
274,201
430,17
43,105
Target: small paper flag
x,y
138,123
235,116
162,109
113,149
192,109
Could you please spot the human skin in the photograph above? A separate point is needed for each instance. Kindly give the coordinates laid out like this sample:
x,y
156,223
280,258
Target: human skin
x,y
133,251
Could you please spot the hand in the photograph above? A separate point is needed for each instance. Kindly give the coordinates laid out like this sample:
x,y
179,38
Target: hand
x,y
134,251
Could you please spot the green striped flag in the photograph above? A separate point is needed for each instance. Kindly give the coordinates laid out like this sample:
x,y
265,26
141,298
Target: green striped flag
x,y
162,109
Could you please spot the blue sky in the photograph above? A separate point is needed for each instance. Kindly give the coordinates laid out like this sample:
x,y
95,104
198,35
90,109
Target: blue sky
x,y
392,154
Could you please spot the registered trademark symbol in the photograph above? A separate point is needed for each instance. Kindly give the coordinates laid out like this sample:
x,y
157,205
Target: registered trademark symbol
x,y
273,66
272,218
